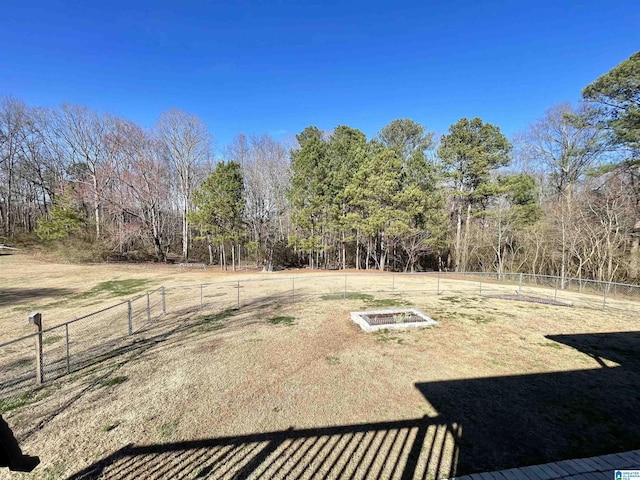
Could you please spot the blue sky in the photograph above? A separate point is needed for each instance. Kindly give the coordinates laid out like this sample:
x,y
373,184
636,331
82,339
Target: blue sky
x,y
278,66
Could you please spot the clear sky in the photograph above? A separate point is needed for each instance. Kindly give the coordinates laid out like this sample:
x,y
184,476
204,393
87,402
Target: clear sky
x,y
278,66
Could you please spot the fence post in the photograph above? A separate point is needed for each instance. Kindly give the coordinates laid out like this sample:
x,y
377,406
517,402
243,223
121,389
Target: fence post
x,y
35,318
520,285
604,297
164,303
148,307
130,316
66,328
238,293
555,293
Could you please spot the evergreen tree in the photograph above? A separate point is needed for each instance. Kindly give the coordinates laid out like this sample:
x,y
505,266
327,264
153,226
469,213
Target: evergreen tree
x,y
219,207
64,219
347,150
470,152
373,193
309,192
616,98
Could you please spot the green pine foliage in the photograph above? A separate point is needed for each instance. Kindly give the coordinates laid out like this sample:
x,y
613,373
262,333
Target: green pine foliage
x,y
63,221
219,206
357,202
616,99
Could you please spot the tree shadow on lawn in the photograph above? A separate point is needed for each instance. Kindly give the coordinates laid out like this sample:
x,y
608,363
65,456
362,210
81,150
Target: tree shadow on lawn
x,y
10,296
92,365
89,375
170,333
490,423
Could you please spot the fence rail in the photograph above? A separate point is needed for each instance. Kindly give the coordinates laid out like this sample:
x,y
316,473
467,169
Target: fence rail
x,y
86,340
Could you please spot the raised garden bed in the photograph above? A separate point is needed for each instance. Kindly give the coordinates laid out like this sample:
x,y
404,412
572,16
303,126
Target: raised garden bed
x,y
398,318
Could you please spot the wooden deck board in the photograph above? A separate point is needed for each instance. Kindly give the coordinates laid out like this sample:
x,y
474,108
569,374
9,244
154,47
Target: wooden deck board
x,y
592,468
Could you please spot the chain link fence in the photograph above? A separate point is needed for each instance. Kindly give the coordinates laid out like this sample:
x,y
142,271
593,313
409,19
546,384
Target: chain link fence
x,y
568,291
56,351
17,365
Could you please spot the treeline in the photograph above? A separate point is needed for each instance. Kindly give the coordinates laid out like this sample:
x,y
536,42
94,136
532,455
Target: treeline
x,y
562,197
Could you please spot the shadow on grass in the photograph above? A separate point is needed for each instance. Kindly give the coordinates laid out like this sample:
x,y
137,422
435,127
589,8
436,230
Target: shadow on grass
x,y
9,296
483,424
397,449
514,421
175,330
94,366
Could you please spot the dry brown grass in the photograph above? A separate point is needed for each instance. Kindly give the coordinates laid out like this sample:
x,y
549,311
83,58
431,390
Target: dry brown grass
x,y
195,376
60,290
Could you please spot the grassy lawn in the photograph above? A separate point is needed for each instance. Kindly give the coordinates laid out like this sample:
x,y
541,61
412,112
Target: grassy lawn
x,y
279,389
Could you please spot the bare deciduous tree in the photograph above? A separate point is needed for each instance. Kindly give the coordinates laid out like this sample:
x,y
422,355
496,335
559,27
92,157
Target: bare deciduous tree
x,y
265,169
186,143
141,186
84,133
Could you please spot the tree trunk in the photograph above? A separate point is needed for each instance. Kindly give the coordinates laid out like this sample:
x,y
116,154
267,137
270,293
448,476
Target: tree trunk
x,y
8,214
458,250
4,217
224,256
465,242
210,254
185,233
498,250
634,264
96,205
233,257
368,254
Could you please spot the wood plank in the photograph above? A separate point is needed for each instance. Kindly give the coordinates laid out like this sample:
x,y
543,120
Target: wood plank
x,y
499,475
551,473
514,474
537,471
494,475
601,463
579,466
622,461
567,467
594,466
559,471
634,455
611,460
485,476
597,476
591,468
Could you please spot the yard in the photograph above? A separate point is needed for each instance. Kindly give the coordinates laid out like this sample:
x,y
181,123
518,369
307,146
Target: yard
x,y
287,386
